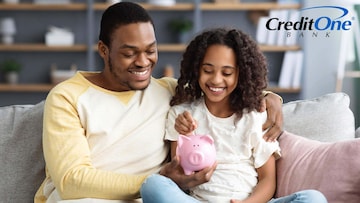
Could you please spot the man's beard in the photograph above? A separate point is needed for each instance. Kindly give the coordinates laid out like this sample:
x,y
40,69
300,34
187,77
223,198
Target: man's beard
x,y
125,83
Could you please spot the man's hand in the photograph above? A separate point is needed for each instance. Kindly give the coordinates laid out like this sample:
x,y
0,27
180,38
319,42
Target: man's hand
x,y
174,171
185,124
273,105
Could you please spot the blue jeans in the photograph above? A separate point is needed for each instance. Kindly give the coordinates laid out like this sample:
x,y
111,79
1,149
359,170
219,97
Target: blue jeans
x,y
160,189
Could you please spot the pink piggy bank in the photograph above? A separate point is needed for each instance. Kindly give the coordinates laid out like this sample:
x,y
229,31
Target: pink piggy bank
x,y
196,152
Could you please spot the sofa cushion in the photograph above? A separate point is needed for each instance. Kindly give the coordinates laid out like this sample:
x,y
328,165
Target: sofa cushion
x,y
327,118
332,168
21,160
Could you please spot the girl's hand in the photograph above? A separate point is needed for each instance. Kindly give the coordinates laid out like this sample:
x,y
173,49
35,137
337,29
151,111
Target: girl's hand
x,y
185,124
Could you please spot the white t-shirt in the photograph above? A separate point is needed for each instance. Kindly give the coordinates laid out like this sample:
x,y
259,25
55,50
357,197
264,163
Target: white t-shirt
x,y
240,150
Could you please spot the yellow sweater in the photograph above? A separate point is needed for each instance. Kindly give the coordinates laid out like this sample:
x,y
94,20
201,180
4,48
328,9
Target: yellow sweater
x,y
103,144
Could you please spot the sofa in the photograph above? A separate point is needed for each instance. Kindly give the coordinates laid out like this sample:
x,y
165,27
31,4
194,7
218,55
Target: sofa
x,y
320,150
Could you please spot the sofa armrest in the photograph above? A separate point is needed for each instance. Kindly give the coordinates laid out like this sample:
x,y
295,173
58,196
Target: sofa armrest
x,y
22,162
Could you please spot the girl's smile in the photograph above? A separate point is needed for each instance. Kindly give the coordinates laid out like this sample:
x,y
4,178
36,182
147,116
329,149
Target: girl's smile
x,y
218,77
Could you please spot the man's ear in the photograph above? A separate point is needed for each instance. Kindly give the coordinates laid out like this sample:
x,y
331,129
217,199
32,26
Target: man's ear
x,y
102,49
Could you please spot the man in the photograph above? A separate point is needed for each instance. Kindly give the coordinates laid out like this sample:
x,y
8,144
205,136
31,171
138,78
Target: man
x,y
104,131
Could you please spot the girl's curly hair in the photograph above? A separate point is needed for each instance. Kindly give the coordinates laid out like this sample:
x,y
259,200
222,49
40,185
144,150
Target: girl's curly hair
x,y
250,60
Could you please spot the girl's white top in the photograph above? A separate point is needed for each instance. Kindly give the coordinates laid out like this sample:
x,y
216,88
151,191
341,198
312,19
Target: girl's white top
x,y
240,150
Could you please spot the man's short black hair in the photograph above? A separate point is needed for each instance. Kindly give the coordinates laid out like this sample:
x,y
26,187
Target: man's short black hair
x,y
122,13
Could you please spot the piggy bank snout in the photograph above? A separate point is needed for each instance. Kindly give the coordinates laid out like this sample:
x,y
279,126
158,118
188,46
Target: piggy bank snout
x,y
196,158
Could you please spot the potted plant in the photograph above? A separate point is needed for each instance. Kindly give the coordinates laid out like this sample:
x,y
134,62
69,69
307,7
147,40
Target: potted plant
x,y
181,28
11,69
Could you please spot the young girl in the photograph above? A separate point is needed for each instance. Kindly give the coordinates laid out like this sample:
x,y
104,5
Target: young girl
x,y
223,75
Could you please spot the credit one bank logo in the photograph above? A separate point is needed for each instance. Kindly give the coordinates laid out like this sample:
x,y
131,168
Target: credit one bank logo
x,y
321,23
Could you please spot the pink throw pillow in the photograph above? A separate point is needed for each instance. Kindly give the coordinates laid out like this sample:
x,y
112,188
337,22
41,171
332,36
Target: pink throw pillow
x,y
332,168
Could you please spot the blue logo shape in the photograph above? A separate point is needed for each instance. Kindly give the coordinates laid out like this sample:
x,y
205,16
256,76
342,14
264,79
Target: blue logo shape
x,y
336,7
326,23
